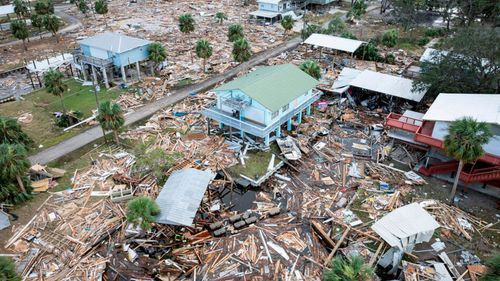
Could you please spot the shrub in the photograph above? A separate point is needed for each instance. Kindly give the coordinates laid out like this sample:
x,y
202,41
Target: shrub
x,y
423,41
345,270
390,38
435,32
8,270
493,273
336,25
390,59
368,52
154,161
310,29
142,211
348,35
65,120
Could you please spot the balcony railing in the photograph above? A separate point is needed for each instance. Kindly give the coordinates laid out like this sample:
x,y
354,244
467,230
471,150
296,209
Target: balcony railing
x,y
399,121
79,57
424,135
211,111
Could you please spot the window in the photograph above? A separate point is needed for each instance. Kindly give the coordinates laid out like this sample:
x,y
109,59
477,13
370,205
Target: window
x,y
275,114
285,107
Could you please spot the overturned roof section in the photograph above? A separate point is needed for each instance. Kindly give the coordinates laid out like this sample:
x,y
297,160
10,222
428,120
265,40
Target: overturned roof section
x,y
387,84
114,42
181,195
273,86
430,53
345,77
334,42
450,107
406,226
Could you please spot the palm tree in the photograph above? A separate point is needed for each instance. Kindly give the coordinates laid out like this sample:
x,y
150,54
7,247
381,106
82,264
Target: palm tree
x,y
186,25
110,116
312,68
241,50
101,7
157,54
8,270
220,16
20,9
464,142
354,270
20,30
235,32
13,163
287,23
11,132
142,211
53,80
52,24
37,21
44,7
204,51
83,7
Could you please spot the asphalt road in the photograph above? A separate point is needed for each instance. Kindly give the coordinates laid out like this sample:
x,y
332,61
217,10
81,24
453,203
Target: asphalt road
x,y
65,147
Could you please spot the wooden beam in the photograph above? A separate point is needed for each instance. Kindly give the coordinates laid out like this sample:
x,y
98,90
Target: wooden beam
x,y
332,253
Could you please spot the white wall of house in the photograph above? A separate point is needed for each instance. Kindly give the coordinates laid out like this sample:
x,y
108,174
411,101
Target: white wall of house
x,y
492,147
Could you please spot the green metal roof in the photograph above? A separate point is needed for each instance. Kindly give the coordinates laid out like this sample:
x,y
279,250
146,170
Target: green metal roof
x,y
273,86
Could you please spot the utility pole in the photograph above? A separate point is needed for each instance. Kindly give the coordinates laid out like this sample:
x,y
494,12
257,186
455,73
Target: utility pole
x,y
94,85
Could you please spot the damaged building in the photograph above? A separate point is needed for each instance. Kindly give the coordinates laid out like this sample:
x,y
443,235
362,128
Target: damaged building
x,y
260,103
427,132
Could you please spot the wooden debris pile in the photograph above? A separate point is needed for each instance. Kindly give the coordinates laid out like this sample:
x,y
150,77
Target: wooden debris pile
x,y
61,241
455,220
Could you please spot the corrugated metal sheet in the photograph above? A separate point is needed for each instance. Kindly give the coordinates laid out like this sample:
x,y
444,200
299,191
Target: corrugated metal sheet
x,y
181,195
334,42
387,84
4,220
406,226
450,107
114,42
345,77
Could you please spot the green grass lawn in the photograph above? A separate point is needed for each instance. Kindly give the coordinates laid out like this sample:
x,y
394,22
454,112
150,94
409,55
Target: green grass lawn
x,y
256,163
42,104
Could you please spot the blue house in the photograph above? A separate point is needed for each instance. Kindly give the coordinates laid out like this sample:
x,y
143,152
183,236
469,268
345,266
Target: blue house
x,y
261,102
110,53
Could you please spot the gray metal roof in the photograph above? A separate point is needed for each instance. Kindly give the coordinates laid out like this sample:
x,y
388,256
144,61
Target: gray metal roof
x,y
181,195
114,42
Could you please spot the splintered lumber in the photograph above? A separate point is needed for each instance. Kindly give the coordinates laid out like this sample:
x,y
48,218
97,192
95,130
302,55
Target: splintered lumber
x,y
358,231
332,253
374,257
323,234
